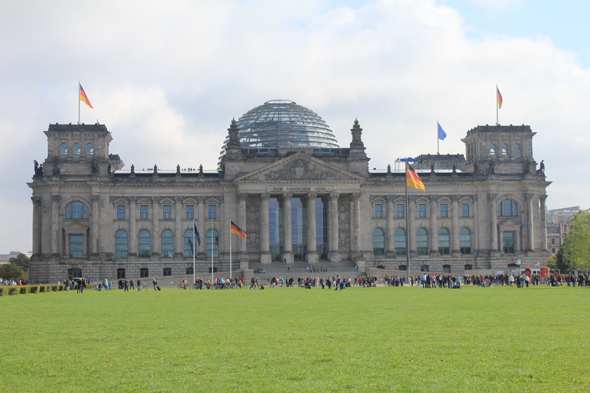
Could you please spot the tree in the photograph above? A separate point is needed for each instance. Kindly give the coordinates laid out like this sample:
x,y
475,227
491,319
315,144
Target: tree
x,y
11,271
21,260
574,254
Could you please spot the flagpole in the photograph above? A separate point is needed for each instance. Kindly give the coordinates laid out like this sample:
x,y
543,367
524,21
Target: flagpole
x,y
194,250
230,248
497,104
212,251
79,102
407,226
437,140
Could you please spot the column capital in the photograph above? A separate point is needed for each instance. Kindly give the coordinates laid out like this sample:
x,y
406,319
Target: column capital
x,y
55,198
242,196
529,196
95,198
265,195
36,200
455,198
132,199
201,199
312,195
390,198
334,195
178,199
155,200
492,196
356,196
543,197
287,195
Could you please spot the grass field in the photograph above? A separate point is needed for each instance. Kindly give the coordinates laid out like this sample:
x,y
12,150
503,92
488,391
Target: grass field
x,y
291,339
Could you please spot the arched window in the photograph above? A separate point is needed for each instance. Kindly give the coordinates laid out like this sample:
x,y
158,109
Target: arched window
x,y
504,149
63,149
400,241
188,243
212,243
167,244
507,208
378,242
465,241
76,149
422,241
443,241
76,211
517,149
90,149
144,244
121,244
492,150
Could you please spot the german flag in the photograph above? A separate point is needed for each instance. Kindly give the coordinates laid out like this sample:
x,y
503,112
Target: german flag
x,y
413,179
84,97
236,229
499,97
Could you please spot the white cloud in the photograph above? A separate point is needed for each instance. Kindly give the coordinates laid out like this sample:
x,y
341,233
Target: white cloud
x,y
167,78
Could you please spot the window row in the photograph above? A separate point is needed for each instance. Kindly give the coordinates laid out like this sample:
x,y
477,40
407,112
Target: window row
x,y
189,212
77,150
444,241
401,210
144,243
505,151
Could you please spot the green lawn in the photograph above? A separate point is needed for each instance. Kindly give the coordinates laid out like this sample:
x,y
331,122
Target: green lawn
x,y
291,339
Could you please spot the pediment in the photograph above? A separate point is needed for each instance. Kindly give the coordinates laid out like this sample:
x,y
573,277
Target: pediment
x,y
144,201
300,167
466,199
444,200
378,200
166,201
212,201
119,201
509,224
400,200
189,201
75,226
422,200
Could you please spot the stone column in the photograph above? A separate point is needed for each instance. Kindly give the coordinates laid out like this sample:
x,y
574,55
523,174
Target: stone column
x,y
390,231
543,213
412,229
242,248
287,228
265,256
333,232
201,227
95,217
356,235
55,225
178,235
132,245
156,240
433,235
493,222
312,253
37,205
455,243
530,233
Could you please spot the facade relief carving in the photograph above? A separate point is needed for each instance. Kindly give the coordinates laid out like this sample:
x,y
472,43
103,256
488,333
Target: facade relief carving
x,y
299,169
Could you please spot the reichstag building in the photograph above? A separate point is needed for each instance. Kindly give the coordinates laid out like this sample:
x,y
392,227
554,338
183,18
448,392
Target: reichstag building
x,y
283,178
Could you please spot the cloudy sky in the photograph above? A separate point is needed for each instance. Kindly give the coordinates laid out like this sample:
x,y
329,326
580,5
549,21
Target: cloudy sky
x,y
167,77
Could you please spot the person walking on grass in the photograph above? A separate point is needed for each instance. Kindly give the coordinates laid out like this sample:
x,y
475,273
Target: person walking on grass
x,y
155,283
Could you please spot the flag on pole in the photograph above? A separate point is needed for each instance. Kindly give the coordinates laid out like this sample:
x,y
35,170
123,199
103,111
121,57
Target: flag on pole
x,y
197,233
441,133
413,180
499,97
236,229
84,97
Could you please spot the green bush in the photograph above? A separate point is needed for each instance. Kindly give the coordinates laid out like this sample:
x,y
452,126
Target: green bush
x,y
3,290
62,287
41,288
23,290
33,288
13,290
54,288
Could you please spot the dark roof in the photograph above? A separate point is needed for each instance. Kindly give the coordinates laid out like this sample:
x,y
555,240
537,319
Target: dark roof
x,y
77,127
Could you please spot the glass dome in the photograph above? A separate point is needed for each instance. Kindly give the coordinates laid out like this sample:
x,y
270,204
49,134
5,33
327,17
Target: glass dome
x,y
282,123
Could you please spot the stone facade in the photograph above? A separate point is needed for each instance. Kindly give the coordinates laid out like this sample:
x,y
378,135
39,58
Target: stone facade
x,y
486,213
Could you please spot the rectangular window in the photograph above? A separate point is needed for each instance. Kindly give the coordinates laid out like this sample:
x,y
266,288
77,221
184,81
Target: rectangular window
x,y
465,210
120,212
144,272
212,211
167,212
167,272
400,211
143,212
444,210
509,242
76,246
190,212
422,210
378,211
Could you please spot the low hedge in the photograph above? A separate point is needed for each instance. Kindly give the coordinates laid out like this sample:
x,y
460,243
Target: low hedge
x,y
14,290
3,290
33,288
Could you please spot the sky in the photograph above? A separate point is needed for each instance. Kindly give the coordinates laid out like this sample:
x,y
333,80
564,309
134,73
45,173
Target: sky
x,y
167,77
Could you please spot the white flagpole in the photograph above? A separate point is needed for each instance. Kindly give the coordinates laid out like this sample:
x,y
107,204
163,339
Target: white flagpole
x,y
407,227
79,85
229,248
212,251
194,250
497,105
437,139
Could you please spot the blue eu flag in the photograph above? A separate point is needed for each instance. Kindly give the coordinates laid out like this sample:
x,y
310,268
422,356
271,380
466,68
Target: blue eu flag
x,y
197,233
441,133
